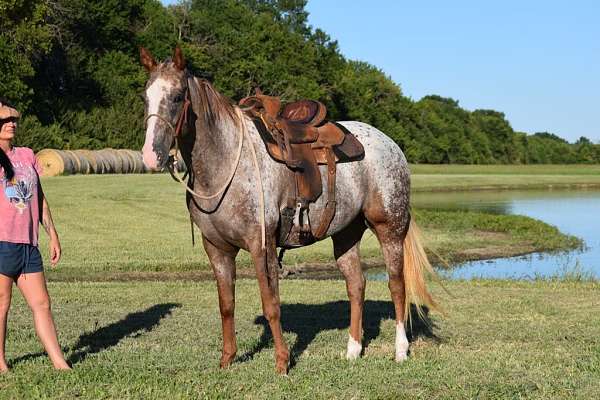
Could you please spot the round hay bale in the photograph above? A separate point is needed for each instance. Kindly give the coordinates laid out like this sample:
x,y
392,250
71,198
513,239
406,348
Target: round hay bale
x,y
74,160
105,157
54,162
70,167
101,163
125,161
131,160
84,165
102,167
138,162
117,161
113,161
89,158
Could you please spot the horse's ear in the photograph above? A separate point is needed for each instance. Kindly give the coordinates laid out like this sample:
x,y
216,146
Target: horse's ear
x,y
178,59
257,91
147,60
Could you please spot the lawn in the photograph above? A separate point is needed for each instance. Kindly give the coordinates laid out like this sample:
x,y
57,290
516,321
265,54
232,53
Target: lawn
x,y
133,340
137,226
503,177
161,338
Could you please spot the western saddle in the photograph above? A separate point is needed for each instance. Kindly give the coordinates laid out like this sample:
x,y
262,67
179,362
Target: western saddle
x,y
299,136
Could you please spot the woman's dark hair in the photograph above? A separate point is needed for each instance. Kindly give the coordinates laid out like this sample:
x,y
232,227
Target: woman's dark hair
x,y
5,163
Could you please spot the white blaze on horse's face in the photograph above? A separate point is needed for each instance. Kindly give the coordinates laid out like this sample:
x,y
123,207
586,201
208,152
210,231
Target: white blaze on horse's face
x,y
158,135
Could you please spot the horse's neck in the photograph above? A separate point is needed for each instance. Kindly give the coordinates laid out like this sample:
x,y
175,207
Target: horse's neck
x,y
213,153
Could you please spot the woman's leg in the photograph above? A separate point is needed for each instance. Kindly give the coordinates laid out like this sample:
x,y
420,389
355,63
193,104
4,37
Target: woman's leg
x,y
33,287
6,283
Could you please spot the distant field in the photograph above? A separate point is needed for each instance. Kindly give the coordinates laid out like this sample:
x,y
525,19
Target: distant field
x,y
113,225
156,340
503,177
538,169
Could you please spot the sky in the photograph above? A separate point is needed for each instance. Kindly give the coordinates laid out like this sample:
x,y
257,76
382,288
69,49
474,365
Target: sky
x,y
536,61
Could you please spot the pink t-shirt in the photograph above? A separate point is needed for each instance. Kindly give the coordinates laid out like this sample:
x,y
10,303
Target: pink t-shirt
x,y
19,203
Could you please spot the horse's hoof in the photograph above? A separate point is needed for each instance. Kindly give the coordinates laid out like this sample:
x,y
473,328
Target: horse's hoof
x,y
282,369
401,357
226,361
282,362
353,350
282,366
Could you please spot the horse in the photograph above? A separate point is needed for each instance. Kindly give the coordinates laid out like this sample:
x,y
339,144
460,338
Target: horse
x,y
236,192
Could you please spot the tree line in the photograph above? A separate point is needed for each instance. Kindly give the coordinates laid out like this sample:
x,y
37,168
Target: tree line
x,y
71,67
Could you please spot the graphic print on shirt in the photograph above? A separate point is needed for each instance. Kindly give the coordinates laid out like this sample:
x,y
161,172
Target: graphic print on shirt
x,y
19,190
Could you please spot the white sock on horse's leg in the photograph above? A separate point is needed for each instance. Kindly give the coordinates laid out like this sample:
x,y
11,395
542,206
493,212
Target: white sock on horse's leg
x,y
401,343
354,349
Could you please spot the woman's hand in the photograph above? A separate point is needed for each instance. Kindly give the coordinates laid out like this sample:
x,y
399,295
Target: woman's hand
x,y
55,250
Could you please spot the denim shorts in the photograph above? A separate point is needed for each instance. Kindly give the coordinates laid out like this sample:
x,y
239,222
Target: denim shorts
x,y
19,258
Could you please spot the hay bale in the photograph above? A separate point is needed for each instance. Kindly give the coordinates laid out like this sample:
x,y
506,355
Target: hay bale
x,y
101,166
116,161
104,158
88,156
131,160
113,161
138,161
125,161
54,162
84,165
74,160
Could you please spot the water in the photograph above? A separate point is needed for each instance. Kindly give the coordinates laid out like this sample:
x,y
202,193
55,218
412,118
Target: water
x,y
575,212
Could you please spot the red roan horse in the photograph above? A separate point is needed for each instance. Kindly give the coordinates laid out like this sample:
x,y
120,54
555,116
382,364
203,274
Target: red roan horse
x,y
227,158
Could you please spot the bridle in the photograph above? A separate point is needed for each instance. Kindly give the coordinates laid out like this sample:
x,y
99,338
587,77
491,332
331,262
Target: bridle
x,y
175,147
182,119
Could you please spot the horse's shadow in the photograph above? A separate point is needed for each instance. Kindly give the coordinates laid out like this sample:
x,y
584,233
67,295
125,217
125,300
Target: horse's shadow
x,y
308,320
132,325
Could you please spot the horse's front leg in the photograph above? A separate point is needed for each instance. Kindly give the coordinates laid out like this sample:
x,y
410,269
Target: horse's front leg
x,y
267,273
223,264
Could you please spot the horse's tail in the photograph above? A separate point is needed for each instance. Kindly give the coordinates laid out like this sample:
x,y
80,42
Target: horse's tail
x,y
416,266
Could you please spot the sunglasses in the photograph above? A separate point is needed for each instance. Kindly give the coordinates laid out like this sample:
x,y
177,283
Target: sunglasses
x,y
10,119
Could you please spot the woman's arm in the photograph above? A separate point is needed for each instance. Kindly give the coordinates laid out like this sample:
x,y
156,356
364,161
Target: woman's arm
x,y
48,225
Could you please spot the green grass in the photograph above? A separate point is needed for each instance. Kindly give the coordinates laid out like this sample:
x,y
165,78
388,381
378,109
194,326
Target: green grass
x,y
124,226
499,339
502,177
538,169
464,235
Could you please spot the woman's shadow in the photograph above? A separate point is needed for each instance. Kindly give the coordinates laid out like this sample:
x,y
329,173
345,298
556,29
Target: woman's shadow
x,y
308,320
133,325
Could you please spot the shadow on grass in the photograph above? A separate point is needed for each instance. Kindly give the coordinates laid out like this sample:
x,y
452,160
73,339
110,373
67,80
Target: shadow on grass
x,y
133,325
308,320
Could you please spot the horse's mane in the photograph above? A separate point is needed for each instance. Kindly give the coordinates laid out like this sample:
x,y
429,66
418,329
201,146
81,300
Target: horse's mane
x,y
209,105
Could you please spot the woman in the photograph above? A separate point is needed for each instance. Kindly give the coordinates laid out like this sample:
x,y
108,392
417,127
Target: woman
x,y
22,203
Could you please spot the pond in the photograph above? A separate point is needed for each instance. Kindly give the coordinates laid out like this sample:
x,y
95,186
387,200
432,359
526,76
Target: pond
x,y
575,212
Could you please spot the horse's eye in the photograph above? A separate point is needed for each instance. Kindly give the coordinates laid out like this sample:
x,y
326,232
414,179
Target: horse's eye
x,y
178,98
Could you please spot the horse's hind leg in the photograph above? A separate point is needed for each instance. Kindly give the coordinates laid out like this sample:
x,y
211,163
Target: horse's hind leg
x,y
390,232
223,264
346,250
